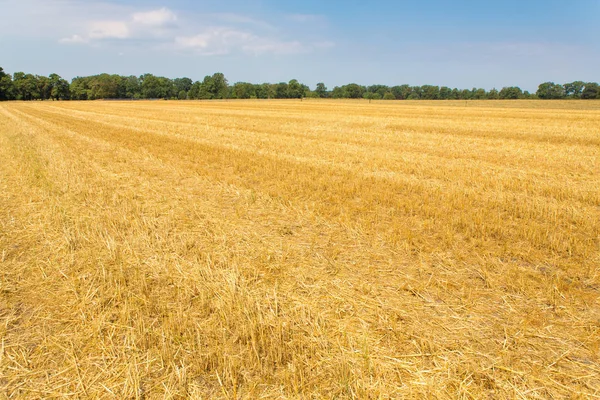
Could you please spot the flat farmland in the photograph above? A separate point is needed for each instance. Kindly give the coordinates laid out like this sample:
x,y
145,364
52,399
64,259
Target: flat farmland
x,y
288,249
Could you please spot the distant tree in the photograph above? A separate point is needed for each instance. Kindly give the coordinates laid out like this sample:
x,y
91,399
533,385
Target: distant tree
x,y
219,88
321,90
6,86
199,90
295,89
354,91
243,90
372,96
264,91
338,93
445,93
182,84
550,90
591,91
574,89
401,92
511,93
429,92
194,92
44,88
132,87
479,94
281,90
22,86
157,87
416,93
465,94
79,88
25,86
103,86
493,94
59,88
381,90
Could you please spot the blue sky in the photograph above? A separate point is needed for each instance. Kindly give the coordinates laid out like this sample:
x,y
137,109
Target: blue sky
x,y
460,43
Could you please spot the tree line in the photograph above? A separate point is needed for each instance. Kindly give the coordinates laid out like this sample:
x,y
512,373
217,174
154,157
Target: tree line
x,y
22,86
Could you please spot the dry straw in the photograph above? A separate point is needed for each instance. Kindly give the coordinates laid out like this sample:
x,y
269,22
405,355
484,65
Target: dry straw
x,y
291,249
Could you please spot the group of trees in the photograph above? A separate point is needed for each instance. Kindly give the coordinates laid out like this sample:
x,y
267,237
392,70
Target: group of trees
x,y
21,86
148,86
573,90
548,90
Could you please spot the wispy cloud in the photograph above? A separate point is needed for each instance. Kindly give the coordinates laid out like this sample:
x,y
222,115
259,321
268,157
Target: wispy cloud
x,y
214,41
228,33
219,41
108,30
138,25
161,17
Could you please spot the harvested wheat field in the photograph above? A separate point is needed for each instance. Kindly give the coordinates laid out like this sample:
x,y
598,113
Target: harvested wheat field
x,y
287,249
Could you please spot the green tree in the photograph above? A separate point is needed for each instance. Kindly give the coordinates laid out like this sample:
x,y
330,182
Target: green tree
x,y
550,90
79,88
574,89
264,91
445,93
219,86
132,87
44,88
243,90
6,86
415,93
389,96
25,86
182,84
401,92
281,90
156,87
381,90
59,88
430,92
321,90
295,89
479,94
493,94
338,93
510,93
354,91
466,94
104,86
591,91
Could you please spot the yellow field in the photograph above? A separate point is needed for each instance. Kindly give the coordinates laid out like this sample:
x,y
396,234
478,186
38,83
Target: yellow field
x,y
287,249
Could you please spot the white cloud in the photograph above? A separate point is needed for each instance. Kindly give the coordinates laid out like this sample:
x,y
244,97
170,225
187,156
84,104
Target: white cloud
x,y
138,25
215,41
223,40
109,30
163,29
160,17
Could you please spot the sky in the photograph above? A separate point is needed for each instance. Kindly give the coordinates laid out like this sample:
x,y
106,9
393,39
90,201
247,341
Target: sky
x,y
456,43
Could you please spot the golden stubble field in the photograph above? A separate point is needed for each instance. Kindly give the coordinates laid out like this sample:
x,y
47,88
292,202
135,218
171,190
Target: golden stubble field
x,y
287,249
